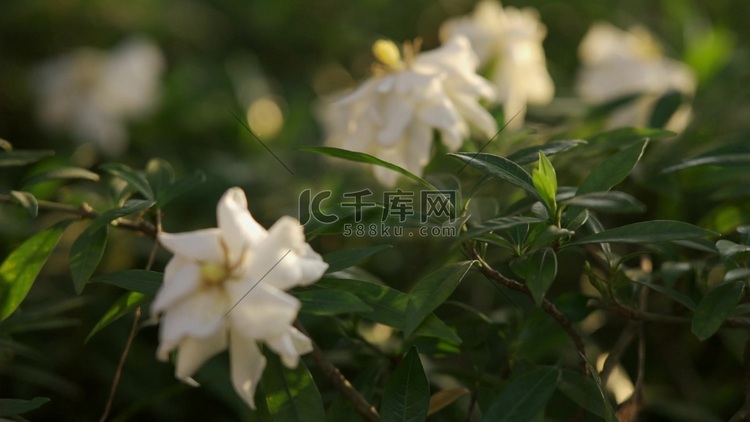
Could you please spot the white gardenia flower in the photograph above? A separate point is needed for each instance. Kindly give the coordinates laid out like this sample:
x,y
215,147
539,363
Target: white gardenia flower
x,y
619,63
92,93
392,116
224,288
508,41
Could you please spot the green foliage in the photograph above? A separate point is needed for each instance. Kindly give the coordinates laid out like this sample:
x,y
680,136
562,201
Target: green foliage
x,y
291,394
524,397
15,407
407,392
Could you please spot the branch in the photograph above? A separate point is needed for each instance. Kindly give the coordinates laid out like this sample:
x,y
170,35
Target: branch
x,y
86,212
633,314
546,305
339,381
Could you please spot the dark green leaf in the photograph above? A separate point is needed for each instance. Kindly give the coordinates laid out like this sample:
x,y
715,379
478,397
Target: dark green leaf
x,y
715,160
531,154
613,170
330,302
134,178
431,292
345,258
613,201
680,297
64,173
160,176
737,274
524,397
85,254
406,396
181,186
19,157
389,307
500,224
361,157
729,248
131,206
13,407
629,134
585,393
20,269
647,232
714,309
499,167
291,394
665,109
542,270
119,309
141,281
26,200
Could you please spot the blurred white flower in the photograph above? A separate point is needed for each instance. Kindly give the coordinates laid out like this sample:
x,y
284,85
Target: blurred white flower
x,y
392,116
619,63
508,41
224,288
92,93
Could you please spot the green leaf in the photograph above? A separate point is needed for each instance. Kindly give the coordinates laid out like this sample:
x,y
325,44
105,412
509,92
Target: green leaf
x,y
680,297
647,232
13,407
500,224
613,170
712,160
501,168
431,292
345,258
665,108
545,182
131,206
21,268
134,179
63,173
729,248
86,253
406,396
119,309
141,281
291,394
541,273
180,187
524,397
585,393
361,157
531,154
26,200
389,307
160,176
19,157
330,302
629,134
737,274
715,308
612,201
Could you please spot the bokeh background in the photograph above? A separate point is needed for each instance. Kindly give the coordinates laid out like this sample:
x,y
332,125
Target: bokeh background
x,y
270,62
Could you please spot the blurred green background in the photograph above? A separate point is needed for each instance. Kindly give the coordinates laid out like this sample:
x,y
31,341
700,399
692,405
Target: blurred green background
x,y
221,56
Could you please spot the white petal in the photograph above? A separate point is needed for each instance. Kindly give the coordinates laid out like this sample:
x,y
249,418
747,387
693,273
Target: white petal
x,y
181,277
238,228
247,364
289,346
312,265
419,148
200,245
398,114
200,315
196,351
262,313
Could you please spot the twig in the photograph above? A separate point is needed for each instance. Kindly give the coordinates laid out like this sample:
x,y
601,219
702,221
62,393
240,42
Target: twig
x,y
546,305
615,355
133,331
339,381
633,314
743,413
85,211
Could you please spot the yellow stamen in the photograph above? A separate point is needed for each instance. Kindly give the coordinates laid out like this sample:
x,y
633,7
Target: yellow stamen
x,y
387,53
213,273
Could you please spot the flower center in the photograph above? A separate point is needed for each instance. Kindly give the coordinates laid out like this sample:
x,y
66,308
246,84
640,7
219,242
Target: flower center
x,y
213,273
386,52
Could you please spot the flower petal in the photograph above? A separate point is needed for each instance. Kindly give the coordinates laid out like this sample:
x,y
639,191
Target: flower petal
x,y
181,277
196,351
238,228
289,346
264,312
200,245
198,315
247,364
